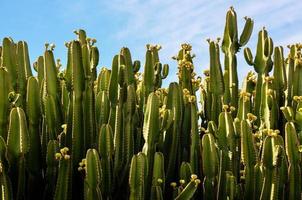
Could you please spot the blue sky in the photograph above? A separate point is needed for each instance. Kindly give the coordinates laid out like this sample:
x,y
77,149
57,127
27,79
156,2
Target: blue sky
x,y
135,23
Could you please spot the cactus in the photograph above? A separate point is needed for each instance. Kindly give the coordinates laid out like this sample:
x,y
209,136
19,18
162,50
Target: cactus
x,y
158,177
294,159
4,103
230,46
63,186
189,190
271,160
210,165
92,167
137,177
52,169
262,64
18,145
216,83
171,142
249,158
34,157
6,188
105,148
122,134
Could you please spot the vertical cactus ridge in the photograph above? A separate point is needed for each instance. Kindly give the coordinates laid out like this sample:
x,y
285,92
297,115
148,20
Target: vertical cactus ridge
x,y
138,172
128,65
230,46
6,190
209,154
92,167
77,106
5,183
5,88
52,168
151,128
148,75
172,138
158,174
18,135
113,83
249,158
106,151
63,186
216,77
81,131
194,149
8,60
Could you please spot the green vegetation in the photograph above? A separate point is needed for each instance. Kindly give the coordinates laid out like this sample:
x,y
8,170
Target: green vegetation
x,y
70,133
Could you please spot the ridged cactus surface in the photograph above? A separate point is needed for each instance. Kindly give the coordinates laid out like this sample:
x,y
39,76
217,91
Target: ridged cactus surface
x,y
84,132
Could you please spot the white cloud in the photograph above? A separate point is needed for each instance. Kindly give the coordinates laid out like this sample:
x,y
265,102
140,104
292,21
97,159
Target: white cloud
x,y
171,23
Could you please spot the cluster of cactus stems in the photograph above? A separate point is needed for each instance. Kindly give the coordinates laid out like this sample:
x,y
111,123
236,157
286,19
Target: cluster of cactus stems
x,y
76,132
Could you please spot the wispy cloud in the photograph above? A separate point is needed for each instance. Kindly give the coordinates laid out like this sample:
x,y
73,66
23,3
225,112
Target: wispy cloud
x,y
171,23
134,23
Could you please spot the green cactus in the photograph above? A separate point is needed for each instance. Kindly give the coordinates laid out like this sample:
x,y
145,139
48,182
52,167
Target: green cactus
x,y
93,175
210,166
122,134
106,151
216,83
188,192
271,161
294,159
34,157
137,176
18,145
76,128
262,64
5,88
9,61
50,96
158,177
249,159
5,183
172,137
230,46
63,186
52,169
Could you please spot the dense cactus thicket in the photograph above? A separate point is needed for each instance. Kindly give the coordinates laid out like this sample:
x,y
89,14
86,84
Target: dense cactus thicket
x,y
76,132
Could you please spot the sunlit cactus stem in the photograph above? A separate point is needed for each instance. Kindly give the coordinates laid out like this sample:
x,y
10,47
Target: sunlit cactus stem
x,y
137,177
63,186
230,46
216,87
262,64
92,168
18,146
5,88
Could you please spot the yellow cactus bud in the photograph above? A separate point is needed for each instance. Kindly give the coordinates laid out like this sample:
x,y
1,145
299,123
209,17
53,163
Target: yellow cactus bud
x,y
193,176
225,107
58,156
66,157
62,151
173,184
197,181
